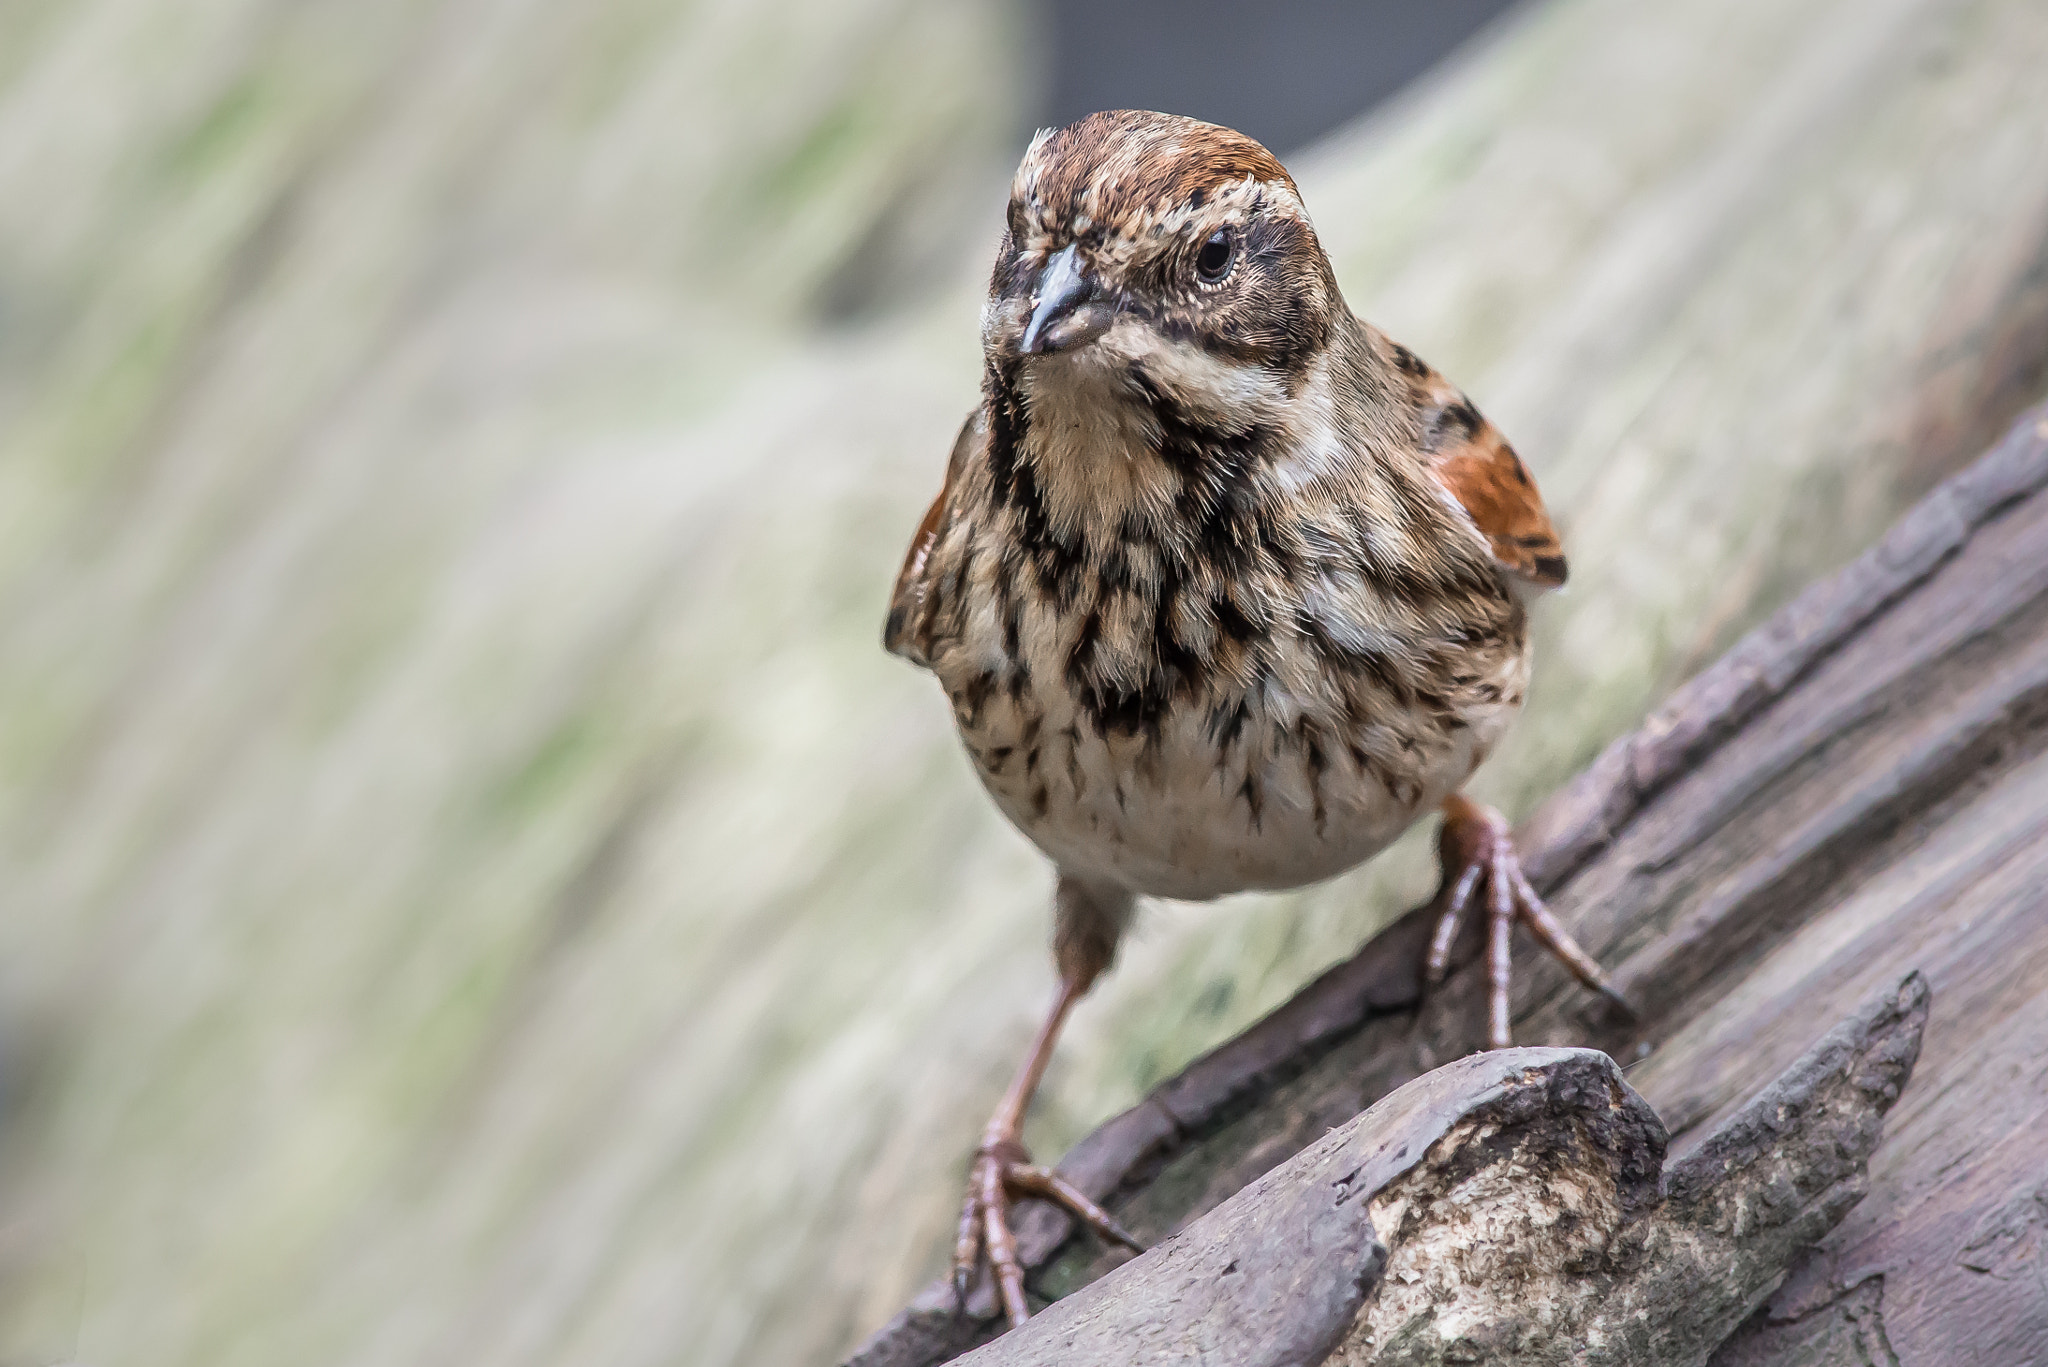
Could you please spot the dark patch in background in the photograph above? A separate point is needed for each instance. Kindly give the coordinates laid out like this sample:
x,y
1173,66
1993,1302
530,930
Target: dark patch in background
x,y
1283,72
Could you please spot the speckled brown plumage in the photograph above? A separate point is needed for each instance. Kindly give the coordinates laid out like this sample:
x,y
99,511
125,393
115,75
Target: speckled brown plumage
x,y
1225,586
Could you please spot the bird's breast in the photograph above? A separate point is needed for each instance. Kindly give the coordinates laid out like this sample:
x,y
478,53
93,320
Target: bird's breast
x,y
1194,782
1189,663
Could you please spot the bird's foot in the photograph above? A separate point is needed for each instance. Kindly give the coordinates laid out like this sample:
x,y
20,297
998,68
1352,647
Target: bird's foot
x,y
1002,1174
1478,851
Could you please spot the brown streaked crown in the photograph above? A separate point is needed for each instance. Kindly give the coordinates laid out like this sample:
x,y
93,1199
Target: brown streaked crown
x,y
1121,165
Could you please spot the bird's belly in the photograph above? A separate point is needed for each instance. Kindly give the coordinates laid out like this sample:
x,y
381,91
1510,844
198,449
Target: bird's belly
x,y
1175,813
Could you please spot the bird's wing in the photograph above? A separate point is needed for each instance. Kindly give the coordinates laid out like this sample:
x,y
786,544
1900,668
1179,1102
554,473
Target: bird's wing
x,y
904,632
1481,472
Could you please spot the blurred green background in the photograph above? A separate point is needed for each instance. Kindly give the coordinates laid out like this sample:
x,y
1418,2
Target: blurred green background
x,y
472,889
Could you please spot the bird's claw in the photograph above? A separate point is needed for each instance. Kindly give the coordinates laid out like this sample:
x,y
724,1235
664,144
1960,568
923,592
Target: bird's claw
x,y
1003,1172
1478,849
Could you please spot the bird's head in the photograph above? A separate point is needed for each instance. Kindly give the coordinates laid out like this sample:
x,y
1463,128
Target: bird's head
x,y
1133,237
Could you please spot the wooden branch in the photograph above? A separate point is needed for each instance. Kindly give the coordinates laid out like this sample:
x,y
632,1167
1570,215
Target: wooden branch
x,y
1511,1203
1858,789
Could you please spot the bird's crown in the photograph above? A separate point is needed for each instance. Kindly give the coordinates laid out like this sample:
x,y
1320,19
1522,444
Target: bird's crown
x,y
1133,173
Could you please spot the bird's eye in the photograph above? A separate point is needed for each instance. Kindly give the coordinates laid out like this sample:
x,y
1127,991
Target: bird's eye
x,y
1212,263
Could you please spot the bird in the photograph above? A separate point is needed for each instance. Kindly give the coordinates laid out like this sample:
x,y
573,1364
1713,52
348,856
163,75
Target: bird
x,y
1225,587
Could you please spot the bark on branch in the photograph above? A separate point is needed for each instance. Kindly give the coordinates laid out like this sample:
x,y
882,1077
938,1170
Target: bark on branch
x,y
1512,1205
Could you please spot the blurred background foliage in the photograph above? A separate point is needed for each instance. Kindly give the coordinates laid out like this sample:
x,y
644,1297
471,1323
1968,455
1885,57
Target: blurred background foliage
x,y
471,887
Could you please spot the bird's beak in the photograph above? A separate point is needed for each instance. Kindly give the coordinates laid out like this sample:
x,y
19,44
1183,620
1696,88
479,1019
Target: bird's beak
x,y
1067,306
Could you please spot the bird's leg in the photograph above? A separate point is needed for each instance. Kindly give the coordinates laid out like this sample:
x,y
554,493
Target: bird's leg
x,y
1476,848
1003,1171
1089,920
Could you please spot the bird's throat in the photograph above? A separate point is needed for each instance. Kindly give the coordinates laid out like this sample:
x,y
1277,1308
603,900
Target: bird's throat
x,y
1124,446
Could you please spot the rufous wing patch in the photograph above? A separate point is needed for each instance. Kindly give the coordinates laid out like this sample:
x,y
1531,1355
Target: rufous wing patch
x,y
1491,484
1477,467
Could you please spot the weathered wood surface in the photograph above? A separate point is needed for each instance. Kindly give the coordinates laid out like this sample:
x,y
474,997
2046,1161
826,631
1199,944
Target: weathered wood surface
x,y
1511,1205
1857,790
